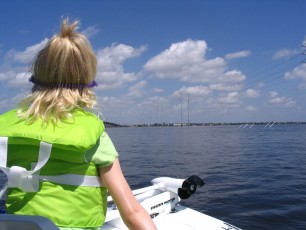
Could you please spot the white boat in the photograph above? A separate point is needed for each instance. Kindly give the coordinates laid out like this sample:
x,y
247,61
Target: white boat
x,y
161,200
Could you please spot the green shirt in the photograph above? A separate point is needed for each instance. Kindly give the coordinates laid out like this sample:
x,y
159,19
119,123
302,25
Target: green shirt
x,y
104,153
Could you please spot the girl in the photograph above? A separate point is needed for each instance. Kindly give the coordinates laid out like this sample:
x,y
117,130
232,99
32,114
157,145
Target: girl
x,y
52,137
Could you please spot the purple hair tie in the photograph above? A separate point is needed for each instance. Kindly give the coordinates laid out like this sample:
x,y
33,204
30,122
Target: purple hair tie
x,y
62,85
92,84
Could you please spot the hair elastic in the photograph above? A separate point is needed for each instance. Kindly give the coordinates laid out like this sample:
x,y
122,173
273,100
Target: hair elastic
x,y
62,85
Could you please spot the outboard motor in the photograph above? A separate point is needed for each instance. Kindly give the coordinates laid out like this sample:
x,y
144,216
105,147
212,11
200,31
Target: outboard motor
x,y
189,186
183,188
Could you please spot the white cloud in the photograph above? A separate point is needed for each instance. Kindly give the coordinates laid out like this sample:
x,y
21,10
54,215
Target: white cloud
x,y
110,73
232,76
11,102
138,89
273,94
109,102
108,106
302,85
115,79
224,87
26,56
186,61
157,90
15,72
284,53
252,93
276,99
178,55
16,80
90,31
260,84
240,54
250,108
153,101
20,80
230,98
194,91
298,72
7,75
116,54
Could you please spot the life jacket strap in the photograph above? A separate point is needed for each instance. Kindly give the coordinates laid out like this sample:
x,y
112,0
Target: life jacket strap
x,y
27,180
74,179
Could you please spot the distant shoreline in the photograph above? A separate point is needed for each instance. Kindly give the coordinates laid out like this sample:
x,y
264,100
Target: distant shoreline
x,y
240,124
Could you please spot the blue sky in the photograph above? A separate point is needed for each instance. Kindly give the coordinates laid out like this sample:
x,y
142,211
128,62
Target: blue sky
x,y
233,60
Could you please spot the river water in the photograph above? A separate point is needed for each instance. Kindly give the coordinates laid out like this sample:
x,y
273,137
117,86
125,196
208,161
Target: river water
x,y
255,178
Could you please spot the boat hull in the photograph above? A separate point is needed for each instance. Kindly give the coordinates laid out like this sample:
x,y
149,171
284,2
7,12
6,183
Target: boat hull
x,y
182,219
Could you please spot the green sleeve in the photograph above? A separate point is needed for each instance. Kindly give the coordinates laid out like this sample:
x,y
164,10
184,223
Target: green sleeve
x,y
103,153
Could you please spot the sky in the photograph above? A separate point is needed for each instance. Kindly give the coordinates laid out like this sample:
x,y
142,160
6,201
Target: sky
x,y
163,61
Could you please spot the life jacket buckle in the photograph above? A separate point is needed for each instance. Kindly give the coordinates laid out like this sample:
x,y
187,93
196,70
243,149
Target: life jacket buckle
x,y
23,179
18,176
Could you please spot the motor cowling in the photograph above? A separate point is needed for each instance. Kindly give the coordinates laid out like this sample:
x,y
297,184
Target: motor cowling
x,y
183,188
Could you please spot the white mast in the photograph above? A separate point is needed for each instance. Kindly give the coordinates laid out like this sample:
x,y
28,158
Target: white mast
x,y
188,110
181,109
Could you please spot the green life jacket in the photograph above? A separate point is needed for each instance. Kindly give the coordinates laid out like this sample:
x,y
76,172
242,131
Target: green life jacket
x,y
65,204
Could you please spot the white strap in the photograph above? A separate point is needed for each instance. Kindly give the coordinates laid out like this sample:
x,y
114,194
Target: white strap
x,y
3,151
18,176
28,181
74,179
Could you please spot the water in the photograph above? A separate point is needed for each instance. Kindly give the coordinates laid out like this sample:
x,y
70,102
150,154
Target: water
x,y
255,177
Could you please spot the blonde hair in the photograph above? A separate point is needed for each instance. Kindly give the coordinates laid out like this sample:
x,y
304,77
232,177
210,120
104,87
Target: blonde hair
x,y
67,59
